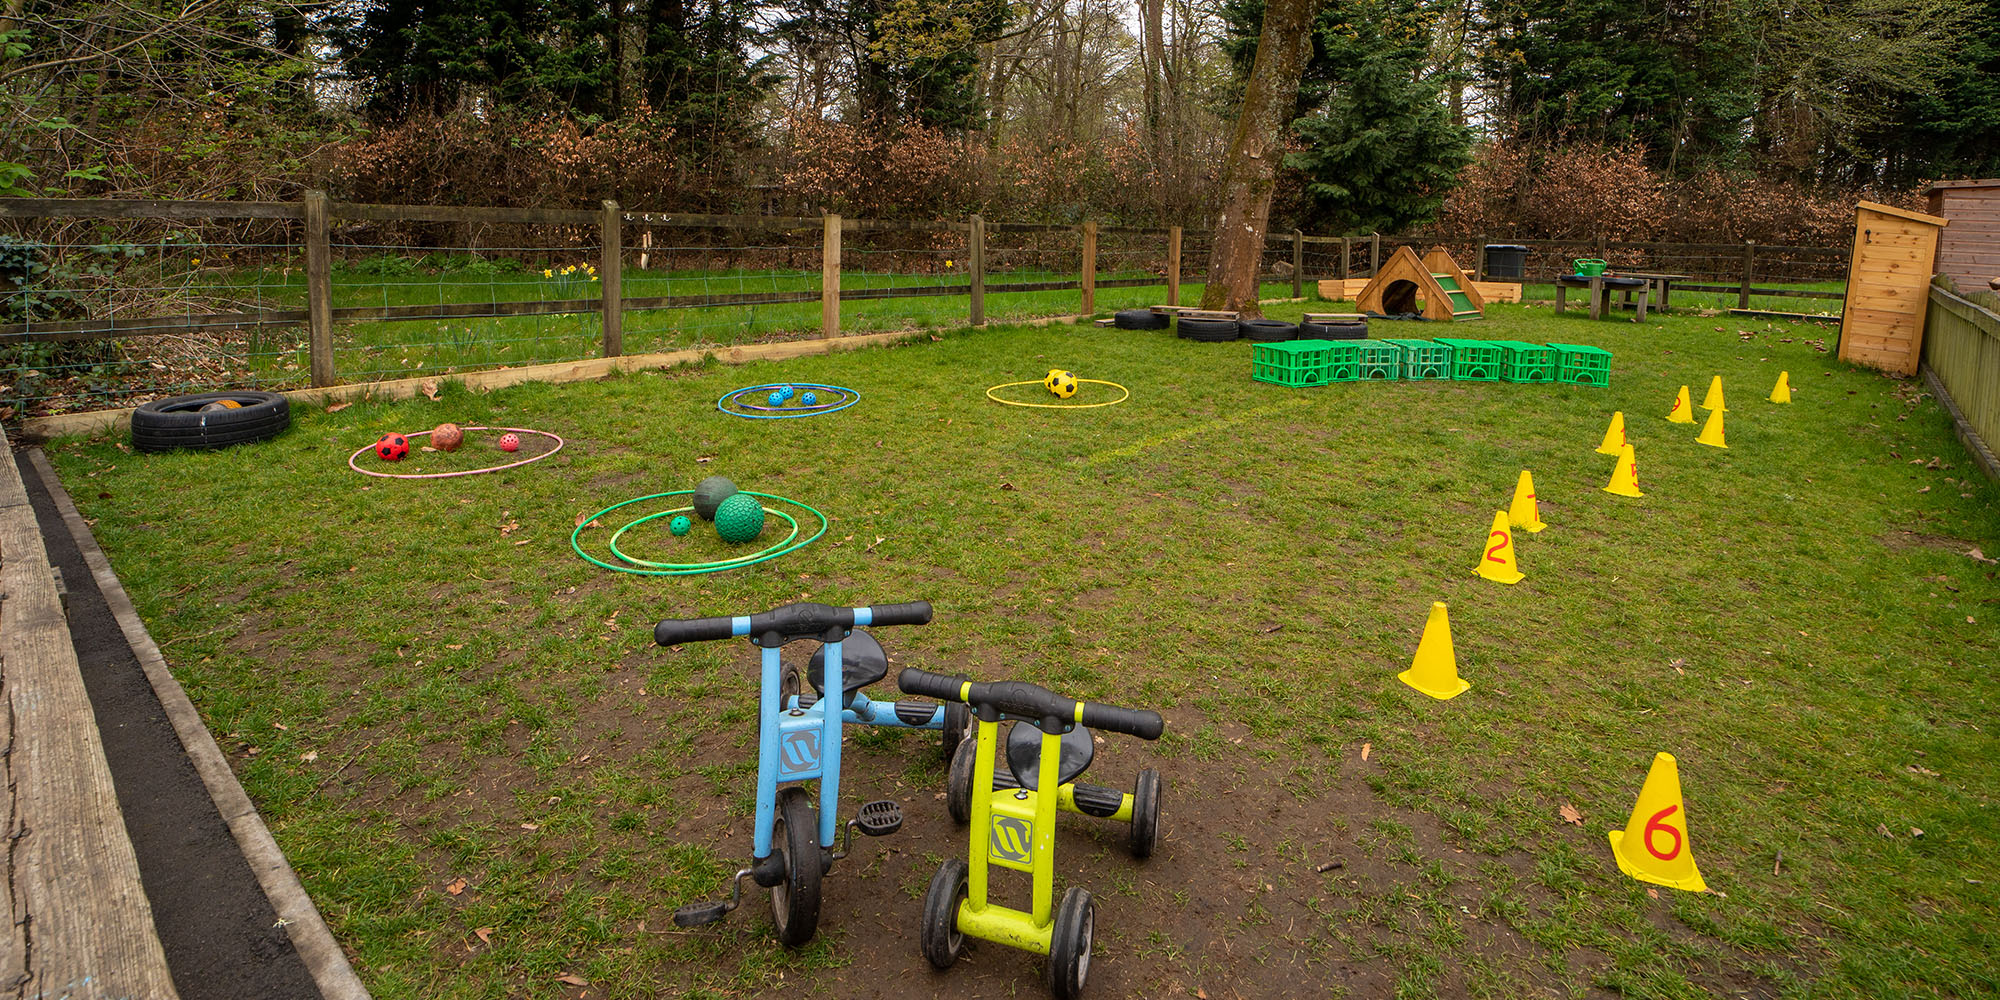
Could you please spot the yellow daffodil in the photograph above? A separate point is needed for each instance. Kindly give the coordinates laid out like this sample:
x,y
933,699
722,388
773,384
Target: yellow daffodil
x,y
546,273
947,263
197,260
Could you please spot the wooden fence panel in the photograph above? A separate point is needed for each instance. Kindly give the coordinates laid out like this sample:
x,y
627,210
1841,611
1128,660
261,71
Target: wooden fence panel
x,y
1961,350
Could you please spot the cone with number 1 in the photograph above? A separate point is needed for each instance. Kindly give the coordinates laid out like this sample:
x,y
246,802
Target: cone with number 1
x,y
1683,411
1654,846
1524,513
1625,475
1497,564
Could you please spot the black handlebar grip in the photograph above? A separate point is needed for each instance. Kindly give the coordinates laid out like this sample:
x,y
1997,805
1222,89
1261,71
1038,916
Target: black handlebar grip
x,y
675,631
1143,723
925,684
913,613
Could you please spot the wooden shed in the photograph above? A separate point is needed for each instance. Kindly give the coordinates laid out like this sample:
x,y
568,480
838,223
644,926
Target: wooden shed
x,y
1969,252
1888,287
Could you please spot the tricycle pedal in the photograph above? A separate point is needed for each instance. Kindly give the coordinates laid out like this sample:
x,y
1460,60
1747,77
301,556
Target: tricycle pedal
x,y
699,914
879,818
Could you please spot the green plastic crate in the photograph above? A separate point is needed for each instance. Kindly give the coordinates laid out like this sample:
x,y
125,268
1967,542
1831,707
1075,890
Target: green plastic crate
x,y
1525,362
1294,363
1580,364
1379,360
1474,360
1343,360
1423,359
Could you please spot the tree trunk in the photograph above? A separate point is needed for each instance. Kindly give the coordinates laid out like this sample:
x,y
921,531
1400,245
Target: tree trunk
x,y
1250,166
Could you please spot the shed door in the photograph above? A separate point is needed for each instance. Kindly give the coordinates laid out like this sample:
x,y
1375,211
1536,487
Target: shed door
x,y
1888,288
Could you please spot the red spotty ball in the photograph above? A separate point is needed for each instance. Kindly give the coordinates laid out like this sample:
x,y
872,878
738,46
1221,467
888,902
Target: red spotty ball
x,y
510,442
392,447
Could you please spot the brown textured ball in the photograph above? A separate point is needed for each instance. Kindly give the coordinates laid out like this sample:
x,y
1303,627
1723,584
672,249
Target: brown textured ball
x,y
447,437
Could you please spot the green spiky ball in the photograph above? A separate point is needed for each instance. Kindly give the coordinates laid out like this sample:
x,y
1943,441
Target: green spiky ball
x,y
709,493
739,518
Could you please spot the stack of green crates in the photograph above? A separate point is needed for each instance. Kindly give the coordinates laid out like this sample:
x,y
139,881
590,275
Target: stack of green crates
x,y
1378,360
1525,362
1292,362
1579,364
1423,359
1474,360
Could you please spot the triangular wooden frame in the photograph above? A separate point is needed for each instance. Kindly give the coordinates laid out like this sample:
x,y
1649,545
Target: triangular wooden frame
x,y
1405,266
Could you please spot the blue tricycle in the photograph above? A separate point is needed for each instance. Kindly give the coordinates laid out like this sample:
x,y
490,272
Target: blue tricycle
x,y
798,740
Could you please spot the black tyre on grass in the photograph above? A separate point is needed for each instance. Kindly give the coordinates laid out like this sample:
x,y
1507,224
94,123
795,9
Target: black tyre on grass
x,y
1140,319
180,421
1333,331
1268,331
1208,331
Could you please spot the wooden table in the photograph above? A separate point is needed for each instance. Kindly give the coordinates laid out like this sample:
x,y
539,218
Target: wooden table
x,y
1661,285
1600,293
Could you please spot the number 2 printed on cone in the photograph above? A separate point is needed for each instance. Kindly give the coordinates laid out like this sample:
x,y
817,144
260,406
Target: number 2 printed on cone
x,y
1497,564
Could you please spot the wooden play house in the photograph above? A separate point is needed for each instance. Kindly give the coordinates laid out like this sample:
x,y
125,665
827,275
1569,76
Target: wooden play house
x,y
1968,249
1433,287
1888,287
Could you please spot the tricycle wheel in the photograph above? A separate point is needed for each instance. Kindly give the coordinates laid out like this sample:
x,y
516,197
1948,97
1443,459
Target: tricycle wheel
x,y
1069,949
940,937
957,721
958,782
795,901
1146,814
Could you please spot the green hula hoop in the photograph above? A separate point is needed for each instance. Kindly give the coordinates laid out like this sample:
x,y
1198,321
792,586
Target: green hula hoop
x,y
575,539
650,564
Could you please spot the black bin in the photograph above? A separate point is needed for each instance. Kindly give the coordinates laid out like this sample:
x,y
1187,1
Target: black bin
x,y
1506,260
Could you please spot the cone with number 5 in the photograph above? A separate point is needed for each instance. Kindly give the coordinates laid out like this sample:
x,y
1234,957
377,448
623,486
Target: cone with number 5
x,y
1498,562
1654,846
1625,475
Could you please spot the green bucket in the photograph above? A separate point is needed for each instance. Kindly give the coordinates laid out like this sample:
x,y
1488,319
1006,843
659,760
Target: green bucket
x,y
1590,267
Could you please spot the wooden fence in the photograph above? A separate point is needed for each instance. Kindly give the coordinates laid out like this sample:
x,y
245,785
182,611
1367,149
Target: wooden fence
x,y
1326,256
1961,360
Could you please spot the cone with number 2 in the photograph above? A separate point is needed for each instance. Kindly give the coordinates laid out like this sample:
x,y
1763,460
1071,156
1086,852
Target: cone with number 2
x,y
1654,846
1498,562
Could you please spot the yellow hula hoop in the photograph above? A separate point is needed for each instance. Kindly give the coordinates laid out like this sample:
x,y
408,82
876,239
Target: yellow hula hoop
x,y
1060,406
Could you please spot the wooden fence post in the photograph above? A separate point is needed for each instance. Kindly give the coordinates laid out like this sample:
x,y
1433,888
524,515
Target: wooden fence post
x,y
319,290
1374,254
1173,265
1298,264
1346,251
610,278
829,279
1749,262
1089,268
1479,260
976,251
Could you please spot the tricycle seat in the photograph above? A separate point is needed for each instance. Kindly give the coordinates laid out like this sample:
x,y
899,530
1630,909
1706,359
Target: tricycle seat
x,y
1024,754
862,662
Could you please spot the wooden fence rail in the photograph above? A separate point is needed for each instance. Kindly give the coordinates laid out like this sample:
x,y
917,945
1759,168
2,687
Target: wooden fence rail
x,y
319,214
1961,359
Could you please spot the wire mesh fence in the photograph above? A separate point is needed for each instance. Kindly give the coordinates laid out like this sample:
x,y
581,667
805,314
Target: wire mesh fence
x,y
112,303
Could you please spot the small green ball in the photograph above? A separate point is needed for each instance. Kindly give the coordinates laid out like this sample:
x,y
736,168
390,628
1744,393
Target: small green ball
x,y
739,519
710,492
680,525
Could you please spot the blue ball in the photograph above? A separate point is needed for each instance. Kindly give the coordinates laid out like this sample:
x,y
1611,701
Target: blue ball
x,y
786,391
809,399
775,399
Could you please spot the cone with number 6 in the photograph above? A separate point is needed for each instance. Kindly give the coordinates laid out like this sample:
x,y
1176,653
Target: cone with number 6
x,y
1654,846
1497,564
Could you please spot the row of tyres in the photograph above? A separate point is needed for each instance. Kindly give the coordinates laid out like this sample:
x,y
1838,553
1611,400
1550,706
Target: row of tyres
x,y
1215,331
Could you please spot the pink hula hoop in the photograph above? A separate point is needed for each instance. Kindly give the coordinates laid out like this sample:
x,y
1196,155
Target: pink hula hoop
x,y
557,438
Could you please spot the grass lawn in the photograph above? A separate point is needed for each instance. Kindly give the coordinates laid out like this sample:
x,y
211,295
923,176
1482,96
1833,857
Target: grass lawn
x,y
489,779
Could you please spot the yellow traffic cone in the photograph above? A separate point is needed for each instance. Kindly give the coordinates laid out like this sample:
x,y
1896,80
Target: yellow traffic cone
x,y
1614,435
1523,513
1683,411
1435,670
1654,846
1711,432
1498,562
1713,401
1782,393
1625,475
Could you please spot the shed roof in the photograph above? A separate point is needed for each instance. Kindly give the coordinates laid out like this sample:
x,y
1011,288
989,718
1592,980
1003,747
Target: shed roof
x,y
1902,213
1990,182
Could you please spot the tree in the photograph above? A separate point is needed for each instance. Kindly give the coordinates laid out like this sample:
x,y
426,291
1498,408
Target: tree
x,y
1248,169
1384,151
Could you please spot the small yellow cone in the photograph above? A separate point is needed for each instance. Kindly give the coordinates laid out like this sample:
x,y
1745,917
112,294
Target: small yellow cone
x,y
1523,513
1711,432
1654,846
1625,475
1782,393
1498,562
1435,669
1683,411
1614,435
1713,401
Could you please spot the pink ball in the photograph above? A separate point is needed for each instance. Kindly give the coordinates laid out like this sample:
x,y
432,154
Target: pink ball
x,y
510,442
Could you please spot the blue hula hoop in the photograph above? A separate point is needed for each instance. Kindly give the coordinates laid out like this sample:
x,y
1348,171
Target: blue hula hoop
x,y
849,398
